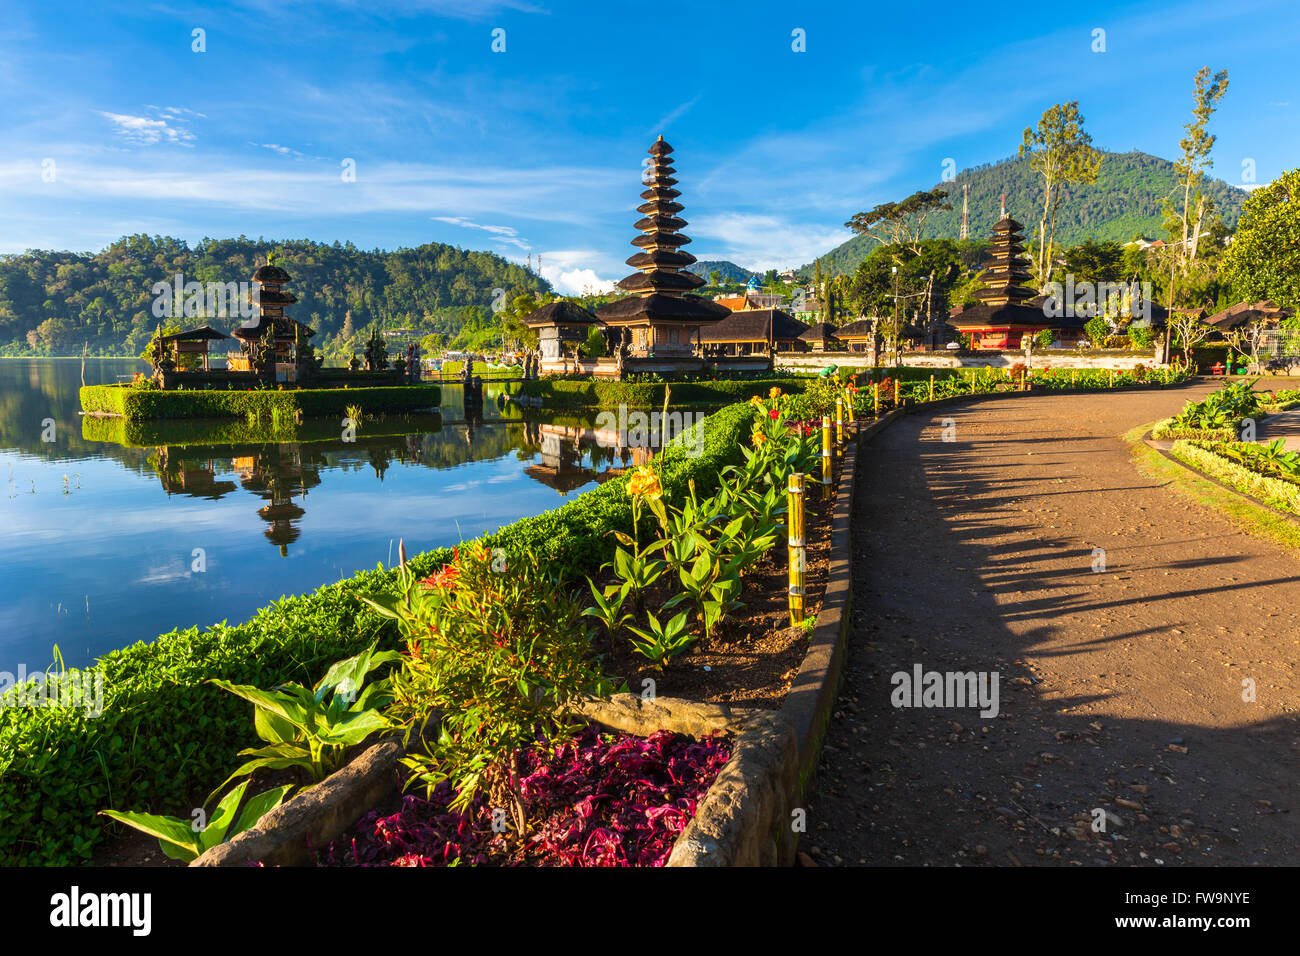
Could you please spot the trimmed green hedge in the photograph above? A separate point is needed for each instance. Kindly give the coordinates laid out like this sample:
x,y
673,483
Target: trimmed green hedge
x,y
1165,429
1274,491
267,404
576,393
165,734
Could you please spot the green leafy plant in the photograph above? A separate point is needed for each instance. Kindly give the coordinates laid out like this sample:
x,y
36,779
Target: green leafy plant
x,y
501,657
609,607
312,729
662,642
185,840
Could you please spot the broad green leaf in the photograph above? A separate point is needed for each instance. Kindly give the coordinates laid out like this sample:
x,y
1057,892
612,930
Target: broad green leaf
x,y
258,807
168,830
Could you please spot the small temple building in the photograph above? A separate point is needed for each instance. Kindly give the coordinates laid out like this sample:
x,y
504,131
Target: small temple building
x,y
562,327
192,342
754,332
857,336
1006,315
659,325
820,337
273,330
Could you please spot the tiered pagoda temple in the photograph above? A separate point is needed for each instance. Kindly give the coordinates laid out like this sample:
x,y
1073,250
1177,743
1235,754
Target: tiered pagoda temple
x,y
1009,309
274,327
658,327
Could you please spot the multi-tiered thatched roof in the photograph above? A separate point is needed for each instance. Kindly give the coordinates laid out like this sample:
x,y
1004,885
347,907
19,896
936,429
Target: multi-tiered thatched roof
x,y
660,284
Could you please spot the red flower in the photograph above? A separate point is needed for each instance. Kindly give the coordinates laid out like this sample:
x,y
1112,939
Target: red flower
x,y
773,414
446,578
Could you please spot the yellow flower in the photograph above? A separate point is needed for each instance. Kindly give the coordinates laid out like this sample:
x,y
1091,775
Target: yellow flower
x,y
774,394
756,402
645,483
759,438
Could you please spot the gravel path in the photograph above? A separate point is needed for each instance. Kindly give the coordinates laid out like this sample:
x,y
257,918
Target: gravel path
x,y
1120,690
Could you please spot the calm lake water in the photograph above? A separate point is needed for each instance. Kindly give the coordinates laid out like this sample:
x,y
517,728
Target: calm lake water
x,y
98,540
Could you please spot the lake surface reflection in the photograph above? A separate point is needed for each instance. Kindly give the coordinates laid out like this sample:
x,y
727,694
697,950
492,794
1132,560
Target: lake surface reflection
x,y
110,536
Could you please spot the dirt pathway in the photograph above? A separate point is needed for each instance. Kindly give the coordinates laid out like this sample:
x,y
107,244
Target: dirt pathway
x,y
1120,690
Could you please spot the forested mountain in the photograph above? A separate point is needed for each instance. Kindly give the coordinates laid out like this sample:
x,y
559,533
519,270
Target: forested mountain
x,y
730,271
1124,203
53,302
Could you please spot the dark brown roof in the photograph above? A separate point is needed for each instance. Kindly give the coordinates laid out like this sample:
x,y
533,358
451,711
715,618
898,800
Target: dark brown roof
x,y
660,147
267,297
860,328
754,325
1245,313
270,273
561,312
255,330
821,332
669,239
669,223
662,308
661,281
203,332
660,257
988,316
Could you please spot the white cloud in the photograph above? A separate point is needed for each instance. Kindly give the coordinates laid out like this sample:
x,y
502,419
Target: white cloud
x,y
276,148
504,234
146,131
572,271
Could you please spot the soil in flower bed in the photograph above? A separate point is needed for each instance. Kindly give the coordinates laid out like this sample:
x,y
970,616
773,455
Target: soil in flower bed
x,y
602,800
753,656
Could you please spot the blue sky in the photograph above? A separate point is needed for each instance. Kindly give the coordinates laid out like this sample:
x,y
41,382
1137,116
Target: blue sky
x,y
537,149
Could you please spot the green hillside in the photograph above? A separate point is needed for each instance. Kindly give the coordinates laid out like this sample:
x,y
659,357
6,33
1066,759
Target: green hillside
x,y
53,302
730,271
1123,203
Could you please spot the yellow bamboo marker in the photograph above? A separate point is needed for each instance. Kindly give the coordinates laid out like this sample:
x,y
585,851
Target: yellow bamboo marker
x,y
848,402
931,386
1022,379
1110,375
794,516
875,397
896,387
1073,377
826,457
839,428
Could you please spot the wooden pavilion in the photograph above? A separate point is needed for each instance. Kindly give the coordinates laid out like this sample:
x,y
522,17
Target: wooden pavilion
x,y
192,342
820,337
754,332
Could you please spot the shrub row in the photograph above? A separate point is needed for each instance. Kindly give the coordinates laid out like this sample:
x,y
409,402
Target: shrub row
x,y
165,734
269,404
1166,429
575,393
1274,491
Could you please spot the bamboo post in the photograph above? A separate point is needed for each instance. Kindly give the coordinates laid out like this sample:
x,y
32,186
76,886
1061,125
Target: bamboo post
x,y
1022,379
826,457
875,397
896,391
931,386
1110,378
1073,376
794,500
848,402
839,428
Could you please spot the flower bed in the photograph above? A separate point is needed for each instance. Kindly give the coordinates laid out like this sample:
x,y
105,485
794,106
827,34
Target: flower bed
x,y
580,393
599,800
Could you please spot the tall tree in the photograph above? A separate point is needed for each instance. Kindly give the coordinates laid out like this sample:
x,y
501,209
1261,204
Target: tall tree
x,y
1062,153
1263,260
900,224
1195,158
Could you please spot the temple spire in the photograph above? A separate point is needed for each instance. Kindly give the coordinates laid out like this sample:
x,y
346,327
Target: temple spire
x,y
660,260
